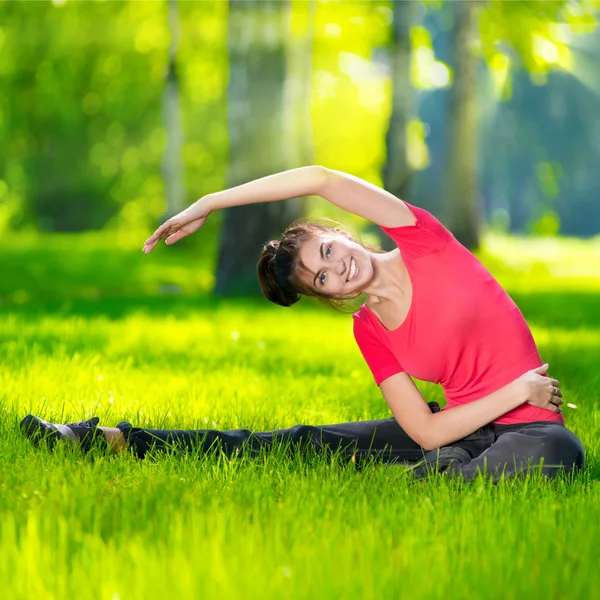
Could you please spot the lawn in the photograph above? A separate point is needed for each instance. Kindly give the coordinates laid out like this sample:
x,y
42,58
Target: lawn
x,y
89,325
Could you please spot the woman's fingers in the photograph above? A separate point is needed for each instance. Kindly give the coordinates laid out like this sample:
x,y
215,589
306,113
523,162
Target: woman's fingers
x,y
165,230
158,233
175,237
172,231
150,245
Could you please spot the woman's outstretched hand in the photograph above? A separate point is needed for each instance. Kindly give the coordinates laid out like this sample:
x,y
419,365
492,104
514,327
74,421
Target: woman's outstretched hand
x,y
177,227
541,391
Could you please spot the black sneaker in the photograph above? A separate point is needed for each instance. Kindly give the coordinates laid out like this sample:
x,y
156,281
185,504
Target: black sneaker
x,y
83,432
440,460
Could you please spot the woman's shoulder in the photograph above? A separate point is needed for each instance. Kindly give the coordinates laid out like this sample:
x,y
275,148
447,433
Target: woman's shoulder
x,y
364,324
425,236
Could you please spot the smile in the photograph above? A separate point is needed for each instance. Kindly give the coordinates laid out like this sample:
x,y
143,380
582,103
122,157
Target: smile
x,y
353,270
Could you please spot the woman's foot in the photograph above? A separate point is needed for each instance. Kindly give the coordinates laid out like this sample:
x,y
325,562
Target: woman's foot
x,y
85,433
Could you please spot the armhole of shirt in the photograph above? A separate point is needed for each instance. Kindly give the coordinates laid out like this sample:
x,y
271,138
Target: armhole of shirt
x,y
425,236
379,358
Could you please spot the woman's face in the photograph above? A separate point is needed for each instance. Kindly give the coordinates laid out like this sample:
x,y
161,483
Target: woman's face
x,y
336,265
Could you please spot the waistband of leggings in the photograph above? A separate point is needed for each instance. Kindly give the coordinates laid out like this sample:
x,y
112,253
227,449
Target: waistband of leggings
x,y
516,426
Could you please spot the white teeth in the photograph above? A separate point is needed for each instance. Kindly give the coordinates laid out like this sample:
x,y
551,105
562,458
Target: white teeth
x,y
352,269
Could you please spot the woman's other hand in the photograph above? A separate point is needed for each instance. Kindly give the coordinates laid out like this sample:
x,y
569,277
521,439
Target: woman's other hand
x,y
540,390
186,222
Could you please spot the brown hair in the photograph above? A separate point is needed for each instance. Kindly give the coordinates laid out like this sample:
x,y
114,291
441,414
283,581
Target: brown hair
x,y
279,263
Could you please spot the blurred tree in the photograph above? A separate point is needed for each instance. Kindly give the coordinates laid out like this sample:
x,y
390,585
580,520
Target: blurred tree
x,y
463,215
262,138
78,128
538,165
80,120
519,173
299,48
172,163
396,172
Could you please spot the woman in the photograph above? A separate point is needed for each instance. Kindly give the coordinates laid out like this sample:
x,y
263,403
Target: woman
x,y
432,312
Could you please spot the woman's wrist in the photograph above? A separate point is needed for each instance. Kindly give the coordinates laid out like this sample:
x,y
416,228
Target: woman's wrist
x,y
516,394
205,203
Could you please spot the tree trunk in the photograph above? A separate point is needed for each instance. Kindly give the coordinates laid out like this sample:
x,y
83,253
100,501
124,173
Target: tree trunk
x,y
262,137
396,173
463,212
297,86
172,163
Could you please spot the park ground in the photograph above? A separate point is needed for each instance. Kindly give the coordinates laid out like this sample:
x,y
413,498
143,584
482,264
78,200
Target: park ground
x,y
90,326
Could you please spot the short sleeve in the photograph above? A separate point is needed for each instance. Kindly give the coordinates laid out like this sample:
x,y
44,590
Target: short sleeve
x,y
425,237
381,360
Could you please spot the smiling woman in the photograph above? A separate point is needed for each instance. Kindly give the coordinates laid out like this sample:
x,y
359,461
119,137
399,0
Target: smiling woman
x,y
313,259
432,311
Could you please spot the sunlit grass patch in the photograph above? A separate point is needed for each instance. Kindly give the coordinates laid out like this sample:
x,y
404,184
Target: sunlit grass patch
x,y
544,263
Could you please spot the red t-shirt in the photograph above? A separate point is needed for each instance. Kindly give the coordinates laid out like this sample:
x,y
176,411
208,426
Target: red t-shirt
x,y
462,330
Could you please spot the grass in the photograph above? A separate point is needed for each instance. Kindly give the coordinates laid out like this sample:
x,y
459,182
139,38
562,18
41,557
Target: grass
x,y
88,325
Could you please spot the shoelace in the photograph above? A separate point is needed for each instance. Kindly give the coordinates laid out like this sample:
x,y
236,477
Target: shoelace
x,y
88,424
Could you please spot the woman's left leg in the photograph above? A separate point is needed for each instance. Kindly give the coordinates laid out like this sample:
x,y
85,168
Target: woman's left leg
x,y
544,446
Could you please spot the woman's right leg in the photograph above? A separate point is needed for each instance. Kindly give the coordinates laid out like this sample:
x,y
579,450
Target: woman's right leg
x,y
383,439
115,439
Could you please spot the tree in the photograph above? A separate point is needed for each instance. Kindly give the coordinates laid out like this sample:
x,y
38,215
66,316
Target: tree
x,y
261,136
172,164
462,202
396,173
520,32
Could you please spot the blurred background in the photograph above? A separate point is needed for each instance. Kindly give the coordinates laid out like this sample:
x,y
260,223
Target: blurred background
x,y
116,115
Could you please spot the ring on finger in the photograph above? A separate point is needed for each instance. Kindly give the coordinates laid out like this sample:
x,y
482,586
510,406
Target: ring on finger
x,y
555,390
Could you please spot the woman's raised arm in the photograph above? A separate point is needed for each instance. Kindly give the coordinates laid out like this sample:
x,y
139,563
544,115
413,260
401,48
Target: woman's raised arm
x,y
346,191
304,181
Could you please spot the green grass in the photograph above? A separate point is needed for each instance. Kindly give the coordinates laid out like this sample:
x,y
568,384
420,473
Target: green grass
x,y
88,325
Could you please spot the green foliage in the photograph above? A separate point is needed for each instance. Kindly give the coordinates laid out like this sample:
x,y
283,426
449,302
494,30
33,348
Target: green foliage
x,y
207,526
538,33
81,129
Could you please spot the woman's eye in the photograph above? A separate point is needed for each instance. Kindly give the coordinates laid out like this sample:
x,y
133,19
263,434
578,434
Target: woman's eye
x,y
322,278
328,251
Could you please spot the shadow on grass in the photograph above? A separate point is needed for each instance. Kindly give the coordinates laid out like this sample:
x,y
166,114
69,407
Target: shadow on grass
x,y
561,309
121,307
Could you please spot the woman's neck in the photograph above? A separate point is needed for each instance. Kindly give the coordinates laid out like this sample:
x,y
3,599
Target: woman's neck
x,y
390,278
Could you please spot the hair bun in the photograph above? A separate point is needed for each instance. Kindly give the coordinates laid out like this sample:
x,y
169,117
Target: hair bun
x,y
272,247
273,282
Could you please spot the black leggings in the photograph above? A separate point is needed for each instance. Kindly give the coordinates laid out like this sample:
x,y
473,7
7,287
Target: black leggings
x,y
493,449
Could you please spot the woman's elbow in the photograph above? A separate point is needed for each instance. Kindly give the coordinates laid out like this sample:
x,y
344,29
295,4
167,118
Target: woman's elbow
x,y
427,441
423,433
323,178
